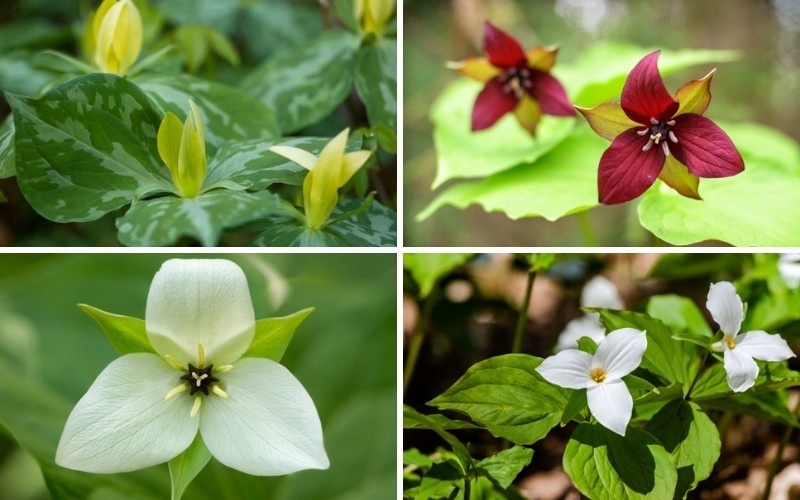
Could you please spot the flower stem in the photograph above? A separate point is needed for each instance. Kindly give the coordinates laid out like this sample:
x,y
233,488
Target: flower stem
x,y
773,468
523,314
589,236
417,338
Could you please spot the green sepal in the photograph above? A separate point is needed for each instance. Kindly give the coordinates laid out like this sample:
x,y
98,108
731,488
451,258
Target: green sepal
x,y
274,334
125,333
186,466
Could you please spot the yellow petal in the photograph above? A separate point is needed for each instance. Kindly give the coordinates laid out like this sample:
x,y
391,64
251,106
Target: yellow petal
x,y
169,143
608,120
119,38
528,113
542,58
379,11
677,176
477,68
321,184
297,155
192,156
694,96
351,163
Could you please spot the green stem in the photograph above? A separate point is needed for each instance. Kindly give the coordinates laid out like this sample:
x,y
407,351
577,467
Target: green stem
x,y
589,237
523,314
418,338
776,462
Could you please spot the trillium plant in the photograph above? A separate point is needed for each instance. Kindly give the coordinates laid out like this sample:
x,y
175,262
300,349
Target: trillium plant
x,y
635,411
195,384
130,135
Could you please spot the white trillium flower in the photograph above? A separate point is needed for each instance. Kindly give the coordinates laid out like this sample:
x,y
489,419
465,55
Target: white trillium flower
x,y
789,269
739,349
601,375
598,292
145,409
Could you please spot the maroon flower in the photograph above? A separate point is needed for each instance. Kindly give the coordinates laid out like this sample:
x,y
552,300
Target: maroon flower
x,y
515,81
658,135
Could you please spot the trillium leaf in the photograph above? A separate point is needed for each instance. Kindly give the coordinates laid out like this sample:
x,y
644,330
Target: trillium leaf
x,y
505,466
304,85
274,334
603,464
414,419
126,334
769,406
691,438
7,168
428,268
680,314
376,84
85,147
713,383
506,395
164,221
228,113
186,466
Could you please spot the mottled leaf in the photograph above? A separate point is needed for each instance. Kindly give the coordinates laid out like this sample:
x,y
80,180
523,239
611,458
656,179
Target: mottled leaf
x,y
376,84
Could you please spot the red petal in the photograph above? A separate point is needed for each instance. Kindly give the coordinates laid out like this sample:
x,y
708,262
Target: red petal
x,y
491,105
501,48
625,170
550,94
644,95
704,148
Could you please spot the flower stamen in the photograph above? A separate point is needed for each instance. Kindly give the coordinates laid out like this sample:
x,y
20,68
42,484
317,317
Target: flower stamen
x,y
196,406
224,368
598,375
729,341
171,394
201,355
659,132
174,363
219,392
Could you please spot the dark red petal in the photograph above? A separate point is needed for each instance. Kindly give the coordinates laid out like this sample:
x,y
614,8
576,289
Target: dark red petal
x,y
704,148
491,105
644,95
625,170
501,49
551,95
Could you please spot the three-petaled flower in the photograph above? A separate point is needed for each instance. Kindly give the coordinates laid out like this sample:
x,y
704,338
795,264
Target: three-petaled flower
x,y
145,409
601,375
656,135
515,81
739,349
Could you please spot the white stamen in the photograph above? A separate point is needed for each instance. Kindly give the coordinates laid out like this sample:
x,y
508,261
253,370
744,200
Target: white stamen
x,y
665,148
656,137
171,394
672,136
643,132
223,368
201,355
174,363
524,72
671,123
649,145
196,407
219,392
653,121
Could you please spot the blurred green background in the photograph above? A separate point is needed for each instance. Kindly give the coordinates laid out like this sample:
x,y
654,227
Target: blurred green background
x,y
762,86
344,354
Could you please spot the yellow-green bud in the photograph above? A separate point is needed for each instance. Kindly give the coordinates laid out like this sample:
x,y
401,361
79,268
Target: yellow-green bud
x,y
116,33
182,147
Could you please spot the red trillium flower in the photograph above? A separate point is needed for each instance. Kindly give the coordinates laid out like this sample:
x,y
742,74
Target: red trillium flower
x,y
515,81
658,135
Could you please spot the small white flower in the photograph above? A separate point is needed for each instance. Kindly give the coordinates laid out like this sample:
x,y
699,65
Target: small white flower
x,y
145,409
598,292
727,309
789,269
601,375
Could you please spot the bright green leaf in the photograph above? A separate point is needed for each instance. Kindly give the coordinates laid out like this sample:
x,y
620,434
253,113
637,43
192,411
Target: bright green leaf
x,y
412,415
712,383
603,464
126,334
274,334
7,168
505,466
376,84
428,268
186,466
680,314
439,420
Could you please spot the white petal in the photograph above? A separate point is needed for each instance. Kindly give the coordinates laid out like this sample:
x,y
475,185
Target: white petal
x,y
611,404
725,307
268,425
568,369
621,352
601,292
764,346
123,422
585,326
741,369
200,301
789,269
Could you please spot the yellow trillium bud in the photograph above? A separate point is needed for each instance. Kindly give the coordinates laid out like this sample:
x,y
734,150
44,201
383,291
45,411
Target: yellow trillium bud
x,y
117,34
374,14
327,173
182,147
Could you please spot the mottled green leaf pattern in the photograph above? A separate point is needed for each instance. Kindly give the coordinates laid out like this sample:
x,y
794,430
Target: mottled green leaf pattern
x,y
376,84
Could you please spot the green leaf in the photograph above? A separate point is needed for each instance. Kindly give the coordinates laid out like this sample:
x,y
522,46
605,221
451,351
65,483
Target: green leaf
x,y
85,147
277,26
61,63
304,85
428,268
7,168
713,382
506,395
463,153
440,480
680,314
691,438
347,13
587,344
126,334
603,464
223,47
163,221
560,182
228,113
747,209
505,466
376,84
768,406
412,415
439,420
186,466
274,334
376,227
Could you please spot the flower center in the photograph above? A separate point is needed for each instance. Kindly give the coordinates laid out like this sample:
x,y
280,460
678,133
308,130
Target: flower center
x,y
516,80
198,378
729,341
659,132
598,375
